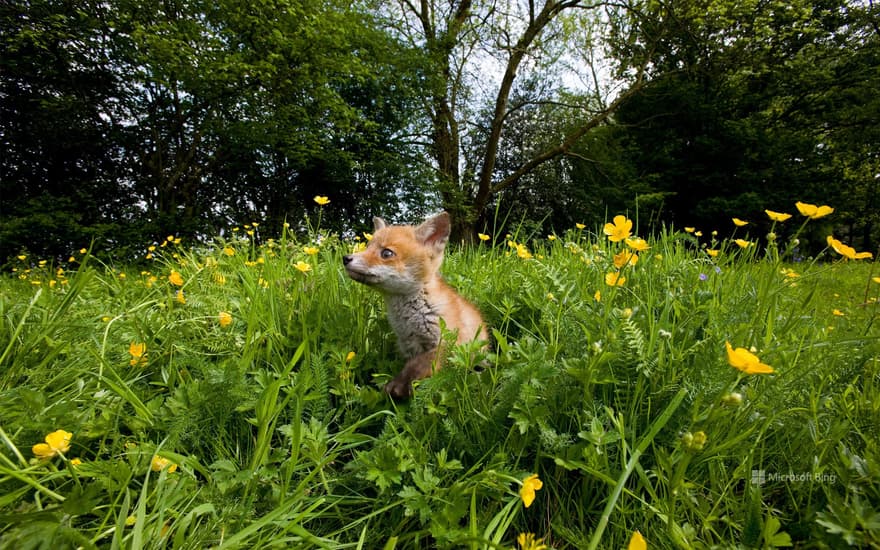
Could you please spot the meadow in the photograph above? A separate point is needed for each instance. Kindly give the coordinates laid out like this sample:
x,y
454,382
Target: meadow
x,y
681,391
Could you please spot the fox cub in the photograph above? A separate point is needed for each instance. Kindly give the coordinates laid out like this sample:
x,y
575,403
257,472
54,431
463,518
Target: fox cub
x,y
402,262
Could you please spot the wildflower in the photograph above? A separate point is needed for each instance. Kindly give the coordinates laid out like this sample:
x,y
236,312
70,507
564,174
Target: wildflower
x,y
579,225
551,237
777,216
75,461
310,250
349,357
690,229
130,520
812,211
529,486
847,251
483,236
876,279
742,243
159,463
739,223
175,278
229,251
699,441
57,442
619,230
746,361
704,277
527,541
637,542
368,236
181,299
321,200
614,279
624,258
598,296
638,244
303,266
225,319
138,352
838,313
523,252
712,252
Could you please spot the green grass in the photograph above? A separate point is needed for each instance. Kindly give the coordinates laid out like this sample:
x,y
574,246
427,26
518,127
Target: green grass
x,y
623,402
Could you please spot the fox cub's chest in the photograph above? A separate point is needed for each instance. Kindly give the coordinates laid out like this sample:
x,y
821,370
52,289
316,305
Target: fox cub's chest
x,y
415,321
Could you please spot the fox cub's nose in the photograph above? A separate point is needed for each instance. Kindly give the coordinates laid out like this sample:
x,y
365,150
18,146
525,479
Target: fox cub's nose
x,y
346,259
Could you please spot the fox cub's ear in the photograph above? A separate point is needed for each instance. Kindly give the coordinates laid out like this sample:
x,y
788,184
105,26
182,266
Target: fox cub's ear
x,y
378,223
435,231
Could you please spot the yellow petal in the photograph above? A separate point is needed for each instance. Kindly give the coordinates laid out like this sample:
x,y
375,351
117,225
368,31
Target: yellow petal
x,y
529,486
43,451
746,361
637,542
614,279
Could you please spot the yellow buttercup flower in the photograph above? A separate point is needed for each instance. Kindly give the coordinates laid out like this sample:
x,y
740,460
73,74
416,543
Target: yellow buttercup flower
x,y
310,250
159,463
321,200
712,252
579,225
638,244
746,361
527,541
838,313
812,211
529,486
138,352
690,229
847,251
624,258
637,542
523,252
742,243
620,229
614,279
875,279
57,442
181,299
483,236
598,296
739,223
303,266
777,216
224,318
350,357
175,278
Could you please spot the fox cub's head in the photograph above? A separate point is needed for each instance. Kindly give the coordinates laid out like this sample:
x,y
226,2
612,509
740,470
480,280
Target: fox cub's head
x,y
400,259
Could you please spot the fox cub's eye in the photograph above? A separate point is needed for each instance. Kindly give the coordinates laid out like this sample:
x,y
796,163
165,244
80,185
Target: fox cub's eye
x,y
387,253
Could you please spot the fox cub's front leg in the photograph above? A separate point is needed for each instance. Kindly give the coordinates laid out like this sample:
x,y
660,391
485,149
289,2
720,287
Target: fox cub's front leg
x,y
418,367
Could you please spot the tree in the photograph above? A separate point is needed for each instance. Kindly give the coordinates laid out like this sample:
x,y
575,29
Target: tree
x,y
758,106
465,43
127,121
